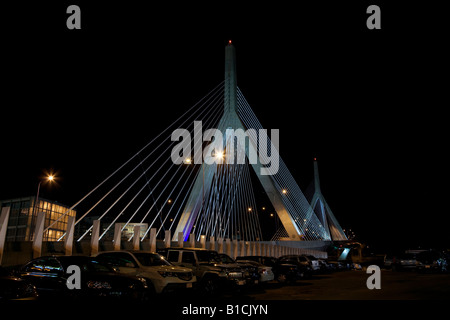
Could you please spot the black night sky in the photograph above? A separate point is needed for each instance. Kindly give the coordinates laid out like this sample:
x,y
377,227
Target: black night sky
x,y
369,104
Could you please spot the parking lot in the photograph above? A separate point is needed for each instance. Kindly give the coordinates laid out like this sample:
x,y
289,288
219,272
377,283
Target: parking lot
x,y
183,274
351,285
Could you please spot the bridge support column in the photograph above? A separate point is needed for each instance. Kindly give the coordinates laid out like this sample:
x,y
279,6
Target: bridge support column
x,y
4,218
94,237
136,237
117,236
235,249
167,239
68,242
212,243
180,239
228,246
220,242
38,235
203,241
153,240
192,240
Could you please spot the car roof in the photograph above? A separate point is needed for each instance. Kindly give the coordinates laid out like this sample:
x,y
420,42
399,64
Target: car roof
x,y
63,257
128,251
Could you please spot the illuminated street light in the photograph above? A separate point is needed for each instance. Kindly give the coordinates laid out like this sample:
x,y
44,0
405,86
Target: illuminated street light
x,y
50,178
284,191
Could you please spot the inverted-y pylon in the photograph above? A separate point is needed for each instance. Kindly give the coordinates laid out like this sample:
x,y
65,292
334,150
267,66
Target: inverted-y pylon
x,y
323,211
202,185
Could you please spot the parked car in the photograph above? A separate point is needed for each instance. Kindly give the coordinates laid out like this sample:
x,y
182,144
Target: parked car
x,y
303,263
213,276
252,270
388,260
432,261
265,272
283,270
49,275
161,275
14,288
405,261
313,262
324,266
338,265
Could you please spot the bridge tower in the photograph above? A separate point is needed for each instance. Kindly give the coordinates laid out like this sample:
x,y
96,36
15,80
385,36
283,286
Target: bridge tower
x,y
202,185
323,211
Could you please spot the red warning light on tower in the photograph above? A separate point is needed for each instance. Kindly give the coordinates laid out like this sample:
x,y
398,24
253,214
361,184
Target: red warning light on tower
x,y
229,41
315,159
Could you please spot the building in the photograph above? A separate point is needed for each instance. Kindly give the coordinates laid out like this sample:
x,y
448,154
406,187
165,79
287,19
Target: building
x,y
128,232
23,213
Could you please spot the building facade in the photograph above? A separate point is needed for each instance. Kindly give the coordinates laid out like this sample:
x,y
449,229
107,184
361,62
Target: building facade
x,y
23,213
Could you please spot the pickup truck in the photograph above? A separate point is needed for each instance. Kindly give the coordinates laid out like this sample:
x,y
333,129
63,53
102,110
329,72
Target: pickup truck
x,y
212,275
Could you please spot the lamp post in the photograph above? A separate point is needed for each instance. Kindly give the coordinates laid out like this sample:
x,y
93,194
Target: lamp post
x,y
49,178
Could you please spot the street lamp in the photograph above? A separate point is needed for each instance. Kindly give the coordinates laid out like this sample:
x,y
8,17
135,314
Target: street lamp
x,y
49,178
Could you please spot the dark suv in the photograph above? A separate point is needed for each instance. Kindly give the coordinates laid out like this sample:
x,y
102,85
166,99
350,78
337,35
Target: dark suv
x,y
98,280
251,271
305,269
212,275
284,271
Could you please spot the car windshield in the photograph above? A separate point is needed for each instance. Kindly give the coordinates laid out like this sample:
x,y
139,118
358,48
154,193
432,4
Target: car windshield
x,y
253,263
151,259
226,259
208,256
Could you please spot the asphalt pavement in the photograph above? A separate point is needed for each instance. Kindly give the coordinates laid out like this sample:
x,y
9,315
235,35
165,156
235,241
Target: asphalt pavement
x,y
351,285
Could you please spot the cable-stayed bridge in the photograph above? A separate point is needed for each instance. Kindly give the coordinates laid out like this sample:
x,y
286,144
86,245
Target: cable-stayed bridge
x,y
195,181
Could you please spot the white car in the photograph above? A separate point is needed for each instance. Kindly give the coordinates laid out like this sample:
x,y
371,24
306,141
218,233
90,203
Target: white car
x,y
162,274
265,271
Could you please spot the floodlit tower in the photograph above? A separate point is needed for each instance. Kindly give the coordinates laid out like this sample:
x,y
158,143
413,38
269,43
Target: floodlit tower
x,y
202,185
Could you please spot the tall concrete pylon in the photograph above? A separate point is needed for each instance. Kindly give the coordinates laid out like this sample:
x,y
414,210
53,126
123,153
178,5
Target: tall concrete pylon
x,y
202,185
323,211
